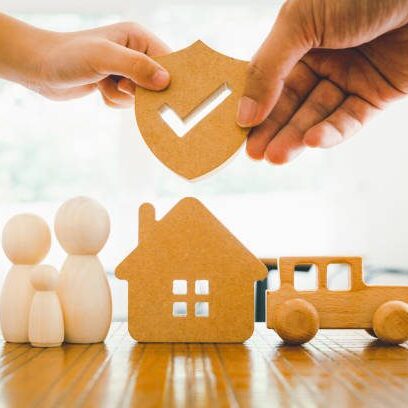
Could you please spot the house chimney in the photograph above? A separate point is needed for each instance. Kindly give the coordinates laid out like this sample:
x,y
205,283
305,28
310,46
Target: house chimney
x,y
146,220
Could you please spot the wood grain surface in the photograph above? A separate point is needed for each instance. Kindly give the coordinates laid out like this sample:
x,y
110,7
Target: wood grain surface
x,y
337,368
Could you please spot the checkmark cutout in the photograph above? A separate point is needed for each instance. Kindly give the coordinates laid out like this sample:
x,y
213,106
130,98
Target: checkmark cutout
x,y
181,126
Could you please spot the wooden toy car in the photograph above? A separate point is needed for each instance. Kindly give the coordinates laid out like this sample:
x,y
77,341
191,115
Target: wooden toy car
x,y
297,315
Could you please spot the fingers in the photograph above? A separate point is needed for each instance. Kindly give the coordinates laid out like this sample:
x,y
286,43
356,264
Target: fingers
x,y
109,103
127,86
142,40
298,85
345,121
136,37
113,96
115,59
286,44
288,143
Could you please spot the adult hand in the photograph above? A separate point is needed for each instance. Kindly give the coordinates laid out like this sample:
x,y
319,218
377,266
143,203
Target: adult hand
x,y
113,59
325,68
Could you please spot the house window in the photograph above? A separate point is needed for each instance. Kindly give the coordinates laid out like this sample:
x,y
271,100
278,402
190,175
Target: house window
x,y
202,309
202,287
180,309
180,287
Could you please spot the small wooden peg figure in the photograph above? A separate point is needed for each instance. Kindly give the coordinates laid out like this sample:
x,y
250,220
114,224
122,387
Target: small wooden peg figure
x,y
46,323
26,241
82,227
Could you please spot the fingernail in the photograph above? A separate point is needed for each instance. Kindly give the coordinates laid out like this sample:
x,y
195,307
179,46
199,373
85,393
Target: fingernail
x,y
247,111
161,78
331,139
322,136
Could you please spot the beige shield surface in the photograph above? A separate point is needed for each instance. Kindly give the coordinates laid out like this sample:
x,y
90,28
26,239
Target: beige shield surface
x,y
197,74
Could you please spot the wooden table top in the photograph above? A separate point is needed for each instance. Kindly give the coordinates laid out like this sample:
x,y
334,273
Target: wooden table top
x,y
338,368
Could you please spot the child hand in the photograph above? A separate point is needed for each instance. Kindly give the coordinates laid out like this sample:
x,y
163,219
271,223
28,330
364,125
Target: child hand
x,y
113,59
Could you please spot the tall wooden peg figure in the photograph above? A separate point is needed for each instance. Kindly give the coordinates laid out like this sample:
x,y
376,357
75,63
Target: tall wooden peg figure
x,y
26,241
82,227
46,324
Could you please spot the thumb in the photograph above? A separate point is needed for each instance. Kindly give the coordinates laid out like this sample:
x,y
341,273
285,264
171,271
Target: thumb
x,y
285,45
115,59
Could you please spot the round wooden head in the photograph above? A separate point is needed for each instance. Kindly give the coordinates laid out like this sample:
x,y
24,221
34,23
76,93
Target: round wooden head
x,y
26,239
82,226
44,278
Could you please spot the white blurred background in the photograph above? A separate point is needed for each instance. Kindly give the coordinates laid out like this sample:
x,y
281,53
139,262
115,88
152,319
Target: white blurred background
x,y
351,200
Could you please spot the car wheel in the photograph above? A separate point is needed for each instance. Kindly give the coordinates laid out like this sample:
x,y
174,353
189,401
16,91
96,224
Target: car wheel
x,y
296,321
390,322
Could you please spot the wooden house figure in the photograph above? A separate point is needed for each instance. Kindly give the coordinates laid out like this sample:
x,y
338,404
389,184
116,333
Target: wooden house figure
x,y
190,279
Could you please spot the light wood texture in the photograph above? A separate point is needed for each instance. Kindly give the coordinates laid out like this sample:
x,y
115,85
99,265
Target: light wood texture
x,y
85,297
26,241
46,324
270,261
391,322
15,304
82,227
353,308
296,321
344,368
189,244
196,72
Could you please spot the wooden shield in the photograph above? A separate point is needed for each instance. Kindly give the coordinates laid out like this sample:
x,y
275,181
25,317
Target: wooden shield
x,y
197,72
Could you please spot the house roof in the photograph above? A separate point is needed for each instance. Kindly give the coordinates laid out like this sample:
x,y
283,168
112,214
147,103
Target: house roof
x,y
189,233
